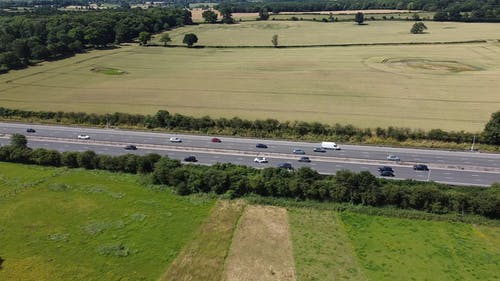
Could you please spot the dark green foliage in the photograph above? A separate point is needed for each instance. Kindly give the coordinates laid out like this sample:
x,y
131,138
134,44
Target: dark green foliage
x,y
190,39
263,14
209,16
418,28
359,18
39,35
18,141
491,133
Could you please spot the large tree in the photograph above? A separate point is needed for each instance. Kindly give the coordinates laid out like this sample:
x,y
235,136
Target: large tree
x,y
263,14
359,18
165,38
18,141
227,13
209,16
491,131
144,37
190,39
418,28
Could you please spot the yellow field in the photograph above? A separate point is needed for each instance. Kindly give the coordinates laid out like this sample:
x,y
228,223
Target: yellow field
x,y
451,87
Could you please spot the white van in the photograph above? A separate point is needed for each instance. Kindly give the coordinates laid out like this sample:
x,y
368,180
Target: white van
x,y
330,145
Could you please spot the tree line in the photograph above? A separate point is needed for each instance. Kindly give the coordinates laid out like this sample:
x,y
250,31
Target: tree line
x,y
31,37
268,128
461,10
303,184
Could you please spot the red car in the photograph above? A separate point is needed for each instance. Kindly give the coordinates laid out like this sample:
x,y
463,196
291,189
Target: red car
x,y
216,140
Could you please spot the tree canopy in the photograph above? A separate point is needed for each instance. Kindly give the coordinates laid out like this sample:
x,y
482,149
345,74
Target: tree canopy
x,y
359,18
209,16
418,28
190,39
491,132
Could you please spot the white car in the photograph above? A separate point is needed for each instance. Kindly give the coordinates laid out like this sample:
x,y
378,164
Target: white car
x,y
260,160
393,158
175,139
83,137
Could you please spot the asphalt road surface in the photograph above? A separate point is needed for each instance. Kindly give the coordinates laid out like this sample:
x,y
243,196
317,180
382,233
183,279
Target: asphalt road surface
x,y
453,167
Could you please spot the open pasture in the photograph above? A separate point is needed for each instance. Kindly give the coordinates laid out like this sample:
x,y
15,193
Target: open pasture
x,y
420,86
61,224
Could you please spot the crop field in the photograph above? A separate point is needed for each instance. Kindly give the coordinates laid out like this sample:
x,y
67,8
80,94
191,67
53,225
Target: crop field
x,y
63,224
449,87
60,224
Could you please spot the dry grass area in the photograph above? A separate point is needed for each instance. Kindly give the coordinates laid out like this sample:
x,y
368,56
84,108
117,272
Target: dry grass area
x,y
203,258
262,248
422,86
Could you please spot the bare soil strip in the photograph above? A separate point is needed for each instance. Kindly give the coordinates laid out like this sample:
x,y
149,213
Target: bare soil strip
x,y
203,258
262,248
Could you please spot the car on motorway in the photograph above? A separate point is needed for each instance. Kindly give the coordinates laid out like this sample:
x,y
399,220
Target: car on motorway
x,y
175,139
393,158
387,174
304,159
319,149
190,158
286,166
420,167
130,147
261,145
83,137
298,151
30,130
385,168
260,160
215,140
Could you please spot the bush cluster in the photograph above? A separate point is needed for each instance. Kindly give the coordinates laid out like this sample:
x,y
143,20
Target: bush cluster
x,y
269,128
303,184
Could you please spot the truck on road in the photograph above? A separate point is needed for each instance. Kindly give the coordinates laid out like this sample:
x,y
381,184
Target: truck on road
x,y
330,145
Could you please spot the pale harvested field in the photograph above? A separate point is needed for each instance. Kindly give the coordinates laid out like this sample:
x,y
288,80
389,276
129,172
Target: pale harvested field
x,y
259,33
450,87
261,248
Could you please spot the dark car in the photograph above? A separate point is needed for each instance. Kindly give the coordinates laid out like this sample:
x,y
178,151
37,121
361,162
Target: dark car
x,y
420,167
30,130
319,149
298,151
190,159
287,166
130,147
261,145
387,174
304,159
216,140
385,168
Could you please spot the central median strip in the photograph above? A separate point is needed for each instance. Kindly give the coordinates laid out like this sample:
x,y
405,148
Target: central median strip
x,y
285,156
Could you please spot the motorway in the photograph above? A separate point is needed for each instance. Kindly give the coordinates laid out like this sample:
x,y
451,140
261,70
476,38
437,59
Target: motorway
x,y
453,167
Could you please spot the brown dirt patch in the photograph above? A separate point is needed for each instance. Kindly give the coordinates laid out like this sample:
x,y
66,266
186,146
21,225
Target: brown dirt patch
x,y
262,248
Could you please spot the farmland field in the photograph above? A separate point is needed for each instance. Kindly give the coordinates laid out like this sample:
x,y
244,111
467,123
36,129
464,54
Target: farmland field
x,y
419,86
60,224
64,224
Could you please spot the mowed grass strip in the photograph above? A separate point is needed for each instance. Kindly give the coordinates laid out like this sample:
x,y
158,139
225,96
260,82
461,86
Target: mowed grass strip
x,y
321,248
402,249
91,225
203,258
261,248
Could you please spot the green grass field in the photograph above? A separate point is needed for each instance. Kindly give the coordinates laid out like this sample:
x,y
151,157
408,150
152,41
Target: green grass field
x,y
60,224
425,86
71,224
348,246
